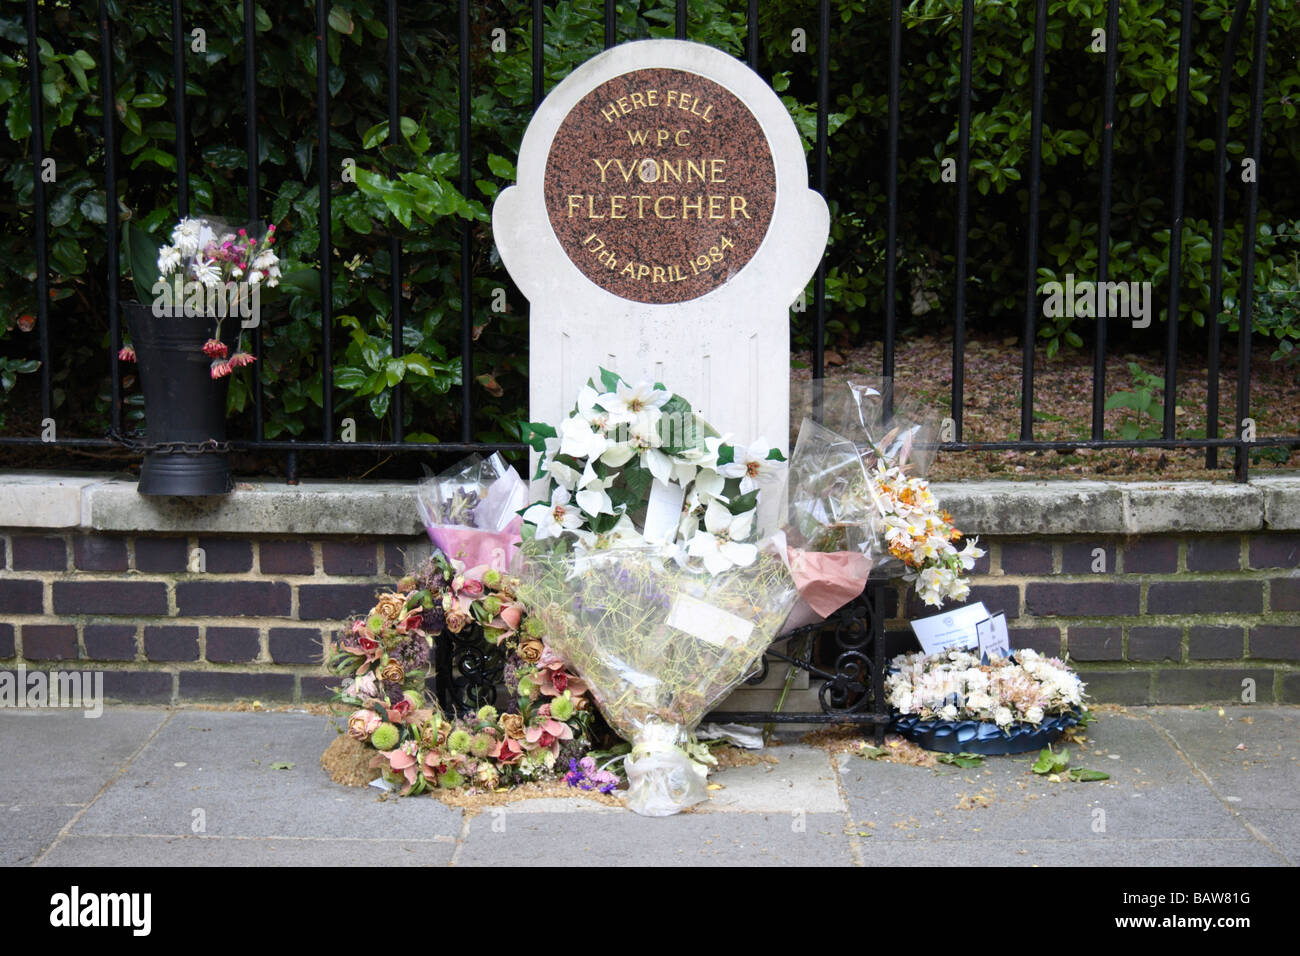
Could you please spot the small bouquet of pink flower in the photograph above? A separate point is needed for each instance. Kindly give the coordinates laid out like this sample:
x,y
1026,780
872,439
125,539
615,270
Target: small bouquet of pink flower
x,y
470,511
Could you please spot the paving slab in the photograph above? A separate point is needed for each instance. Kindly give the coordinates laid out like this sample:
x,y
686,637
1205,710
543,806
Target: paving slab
x,y
1152,793
55,756
1049,853
1281,828
235,851
801,779
519,838
25,831
214,770
1265,773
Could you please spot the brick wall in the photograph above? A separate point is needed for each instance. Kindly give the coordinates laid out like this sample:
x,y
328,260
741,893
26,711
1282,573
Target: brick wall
x,y
1165,619
249,625
1159,618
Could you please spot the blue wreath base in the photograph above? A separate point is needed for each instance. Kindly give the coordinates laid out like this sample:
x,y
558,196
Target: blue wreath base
x,y
981,736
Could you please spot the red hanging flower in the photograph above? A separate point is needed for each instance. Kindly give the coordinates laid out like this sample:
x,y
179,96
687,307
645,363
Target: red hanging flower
x,y
126,354
240,359
214,348
220,369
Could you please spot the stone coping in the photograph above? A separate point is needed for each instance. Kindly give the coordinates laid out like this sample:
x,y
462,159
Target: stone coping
x,y
110,503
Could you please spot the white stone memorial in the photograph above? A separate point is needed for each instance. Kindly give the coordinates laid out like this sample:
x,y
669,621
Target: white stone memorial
x,y
661,227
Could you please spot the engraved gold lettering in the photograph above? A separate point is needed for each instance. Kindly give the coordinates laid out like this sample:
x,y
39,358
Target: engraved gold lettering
x,y
738,208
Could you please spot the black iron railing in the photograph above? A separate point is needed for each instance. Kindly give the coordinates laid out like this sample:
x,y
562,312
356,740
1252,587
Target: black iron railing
x,y
1241,441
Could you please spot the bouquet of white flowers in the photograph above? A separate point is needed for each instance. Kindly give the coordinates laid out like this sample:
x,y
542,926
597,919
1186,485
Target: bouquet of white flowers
x,y
634,465
658,644
1024,687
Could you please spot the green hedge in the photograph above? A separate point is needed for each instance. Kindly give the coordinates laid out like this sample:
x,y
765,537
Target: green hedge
x,y
411,189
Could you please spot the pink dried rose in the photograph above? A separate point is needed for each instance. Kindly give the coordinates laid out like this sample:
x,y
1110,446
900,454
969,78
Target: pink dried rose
x,y
511,614
470,587
362,724
363,686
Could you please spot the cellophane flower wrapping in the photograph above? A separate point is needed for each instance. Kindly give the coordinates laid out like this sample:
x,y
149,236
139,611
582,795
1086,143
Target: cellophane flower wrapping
x,y
881,504
658,644
470,511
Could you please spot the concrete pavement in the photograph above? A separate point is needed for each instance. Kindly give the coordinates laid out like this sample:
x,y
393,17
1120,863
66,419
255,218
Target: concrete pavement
x,y
157,786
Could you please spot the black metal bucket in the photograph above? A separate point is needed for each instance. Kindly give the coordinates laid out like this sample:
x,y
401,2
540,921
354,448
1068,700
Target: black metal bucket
x,y
182,402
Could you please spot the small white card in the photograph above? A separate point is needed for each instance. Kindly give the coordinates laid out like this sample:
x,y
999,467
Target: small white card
x,y
708,623
663,511
950,628
994,640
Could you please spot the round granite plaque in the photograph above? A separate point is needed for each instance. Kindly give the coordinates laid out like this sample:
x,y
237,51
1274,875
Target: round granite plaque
x,y
660,185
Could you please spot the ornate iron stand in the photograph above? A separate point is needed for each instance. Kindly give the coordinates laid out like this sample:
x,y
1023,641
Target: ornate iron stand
x,y
853,692
469,671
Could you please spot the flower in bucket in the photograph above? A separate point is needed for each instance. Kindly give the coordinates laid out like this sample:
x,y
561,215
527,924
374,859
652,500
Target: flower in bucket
x,y
209,268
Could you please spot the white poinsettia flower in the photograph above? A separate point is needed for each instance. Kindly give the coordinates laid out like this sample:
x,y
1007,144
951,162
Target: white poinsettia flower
x,y
556,518
208,272
593,497
578,440
588,400
564,476
628,403
721,544
683,471
751,464
693,508
622,535
641,440
709,484
709,457
618,454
